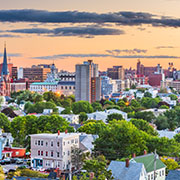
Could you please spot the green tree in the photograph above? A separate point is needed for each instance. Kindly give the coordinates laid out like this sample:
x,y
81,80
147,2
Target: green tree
x,y
177,137
162,122
144,126
163,107
97,106
120,139
146,115
108,102
82,106
82,117
38,98
172,118
121,103
4,122
99,167
173,97
67,111
147,94
92,127
113,116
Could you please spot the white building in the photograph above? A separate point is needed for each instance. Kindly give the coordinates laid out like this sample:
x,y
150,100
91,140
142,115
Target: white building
x,y
102,115
53,150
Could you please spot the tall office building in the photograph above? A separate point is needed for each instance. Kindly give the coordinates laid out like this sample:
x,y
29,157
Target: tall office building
x,y
117,72
36,72
88,82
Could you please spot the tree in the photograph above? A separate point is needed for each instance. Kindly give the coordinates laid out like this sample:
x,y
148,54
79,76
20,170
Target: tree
x,y
177,138
82,106
120,139
163,107
162,122
146,115
67,111
147,94
144,126
121,103
113,116
38,98
173,97
2,175
108,102
77,157
171,164
92,127
133,86
82,117
4,122
97,106
99,167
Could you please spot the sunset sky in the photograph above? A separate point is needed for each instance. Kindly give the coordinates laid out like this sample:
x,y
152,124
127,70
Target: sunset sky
x,y
111,32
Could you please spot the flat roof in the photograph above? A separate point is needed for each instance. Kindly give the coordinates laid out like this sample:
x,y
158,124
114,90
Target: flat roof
x,y
62,135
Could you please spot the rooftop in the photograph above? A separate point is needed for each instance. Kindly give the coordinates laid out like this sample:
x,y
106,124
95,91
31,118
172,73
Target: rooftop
x,y
47,135
148,161
121,172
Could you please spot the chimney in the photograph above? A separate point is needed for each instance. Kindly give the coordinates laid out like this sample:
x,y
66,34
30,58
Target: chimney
x,y
66,131
145,152
127,163
58,132
133,155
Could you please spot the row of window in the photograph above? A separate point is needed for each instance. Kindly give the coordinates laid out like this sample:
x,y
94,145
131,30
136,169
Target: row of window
x,y
160,173
41,143
51,153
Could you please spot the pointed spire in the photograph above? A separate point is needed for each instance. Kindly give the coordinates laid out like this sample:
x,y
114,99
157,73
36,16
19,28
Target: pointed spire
x,y
5,66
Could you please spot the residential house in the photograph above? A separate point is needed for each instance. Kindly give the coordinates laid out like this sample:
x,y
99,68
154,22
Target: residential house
x,y
173,175
148,161
127,170
53,150
102,115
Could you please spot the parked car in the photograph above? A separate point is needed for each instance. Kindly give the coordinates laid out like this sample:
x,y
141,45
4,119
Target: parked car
x,y
19,161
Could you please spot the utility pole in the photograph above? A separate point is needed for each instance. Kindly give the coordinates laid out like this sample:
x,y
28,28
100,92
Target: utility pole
x,y
155,158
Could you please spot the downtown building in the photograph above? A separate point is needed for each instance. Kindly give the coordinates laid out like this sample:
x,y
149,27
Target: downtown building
x,y
88,82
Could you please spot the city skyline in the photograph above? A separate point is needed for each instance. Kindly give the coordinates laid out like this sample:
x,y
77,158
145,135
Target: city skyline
x,y
69,32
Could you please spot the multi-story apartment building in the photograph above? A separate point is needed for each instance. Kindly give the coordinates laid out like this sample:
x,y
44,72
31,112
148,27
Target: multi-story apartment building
x,y
88,82
53,150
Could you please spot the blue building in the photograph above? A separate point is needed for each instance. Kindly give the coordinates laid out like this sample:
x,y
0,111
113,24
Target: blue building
x,y
106,86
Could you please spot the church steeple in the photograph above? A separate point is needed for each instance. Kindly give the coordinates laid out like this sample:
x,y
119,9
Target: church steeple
x,y
5,65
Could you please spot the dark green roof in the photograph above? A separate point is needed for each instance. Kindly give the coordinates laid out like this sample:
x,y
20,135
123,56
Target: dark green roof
x,y
148,161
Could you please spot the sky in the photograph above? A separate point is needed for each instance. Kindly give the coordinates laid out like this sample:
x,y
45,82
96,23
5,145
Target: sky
x,y
67,32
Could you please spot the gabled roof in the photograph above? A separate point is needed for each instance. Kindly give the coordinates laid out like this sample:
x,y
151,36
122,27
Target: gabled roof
x,y
148,161
121,172
173,175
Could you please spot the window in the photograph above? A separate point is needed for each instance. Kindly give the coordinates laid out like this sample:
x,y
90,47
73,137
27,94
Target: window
x,y
68,153
57,154
149,177
46,153
64,153
46,143
38,153
76,141
51,153
64,143
162,172
51,143
41,143
152,176
65,87
36,142
68,142
41,153
58,144
159,173
72,141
